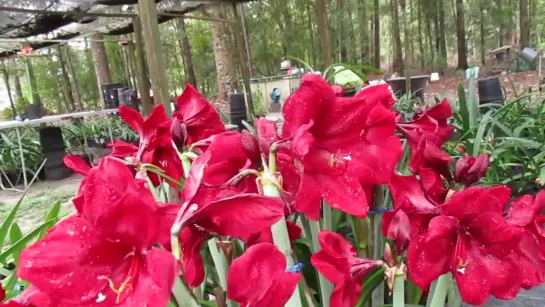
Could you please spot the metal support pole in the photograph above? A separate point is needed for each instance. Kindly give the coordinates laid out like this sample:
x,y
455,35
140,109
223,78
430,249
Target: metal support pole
x,y
141,74
22,157
243,67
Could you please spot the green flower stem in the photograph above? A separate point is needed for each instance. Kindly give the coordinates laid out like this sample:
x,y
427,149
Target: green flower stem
x,y
399,291
328,218
325,285
440,293
186,163
282,241
182,294
454,299
220,262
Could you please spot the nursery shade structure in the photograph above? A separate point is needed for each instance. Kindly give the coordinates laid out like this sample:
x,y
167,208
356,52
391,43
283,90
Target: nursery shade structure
x,y
45,20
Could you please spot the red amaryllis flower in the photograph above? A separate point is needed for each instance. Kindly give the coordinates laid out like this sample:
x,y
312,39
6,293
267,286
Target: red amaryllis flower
x,y
470,169
259,278
238,216
338,90
416,201
471,239
155,143
77,164
338,143
105,253
339,263
428,126
147,127
525,212
196,118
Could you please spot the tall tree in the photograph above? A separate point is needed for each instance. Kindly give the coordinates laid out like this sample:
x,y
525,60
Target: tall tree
x,y
524,24
323,31
342,31
186,52
420,34
100,62
364,32
221,42
461,35
376,21
441,39
5,76
65,83
398,53
482,35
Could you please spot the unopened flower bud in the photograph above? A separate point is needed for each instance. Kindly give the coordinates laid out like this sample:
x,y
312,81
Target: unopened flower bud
x,y
470,169
178,131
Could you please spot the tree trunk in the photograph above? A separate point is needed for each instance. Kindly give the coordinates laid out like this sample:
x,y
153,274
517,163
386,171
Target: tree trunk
x,y
246,39
342,31
312,42
442,35
430,39
227,80
323,32
186,53
461,35
376,20
398,54
31,78
420,35
74,82
100,60
65,80
364,32
482,34
524,24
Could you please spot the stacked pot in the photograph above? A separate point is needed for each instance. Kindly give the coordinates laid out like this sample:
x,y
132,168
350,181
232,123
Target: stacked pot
x,y
53,149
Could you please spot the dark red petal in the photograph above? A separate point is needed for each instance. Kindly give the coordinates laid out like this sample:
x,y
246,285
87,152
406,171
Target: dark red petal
x,y
443,227
191,240
254,213
470,202
428,260
308,199
399,231
258,277
306,103
196,173
335,269
157,117
71,261
344,193
433,185
491,227
408,194
132,118
437,159
77,164
267,133
522,211
346,293
2,293
336,245
303,141
122,149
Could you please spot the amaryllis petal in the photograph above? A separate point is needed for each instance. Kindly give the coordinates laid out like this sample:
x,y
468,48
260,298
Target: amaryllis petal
x,y
408,194
308,198
132,117
191,240
470,202
346,294
379,93
335,244
294,233
267,133
77,164
345,194
334,269
71,261
491,227
399,231
522,211
258,278
254,213
122,149
470,169
198,115
426,260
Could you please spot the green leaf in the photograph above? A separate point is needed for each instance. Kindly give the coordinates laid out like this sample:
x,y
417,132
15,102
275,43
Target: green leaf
x,y
15,235
9,220
480,133
51,216
208,303
464,112
23,241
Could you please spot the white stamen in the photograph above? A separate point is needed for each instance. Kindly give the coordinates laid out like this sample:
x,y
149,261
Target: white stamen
x,y
101,297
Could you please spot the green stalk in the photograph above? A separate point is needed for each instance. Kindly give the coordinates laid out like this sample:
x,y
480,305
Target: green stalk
x,y
182,294
399,291
186,163
440,293
325,285
454,299
282,241
221,265
328,217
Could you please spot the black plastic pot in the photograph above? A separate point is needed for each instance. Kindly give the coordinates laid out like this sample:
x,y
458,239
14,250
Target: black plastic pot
x,y
418,86
131,99
51,139
35,111
109,94
238,109
490,90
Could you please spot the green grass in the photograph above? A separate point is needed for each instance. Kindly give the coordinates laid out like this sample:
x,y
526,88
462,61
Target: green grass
x,y
34,207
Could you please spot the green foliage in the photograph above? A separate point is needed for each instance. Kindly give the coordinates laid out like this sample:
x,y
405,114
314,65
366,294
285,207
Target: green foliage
x,y
10,155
